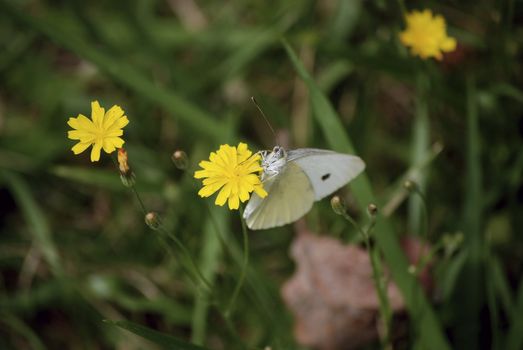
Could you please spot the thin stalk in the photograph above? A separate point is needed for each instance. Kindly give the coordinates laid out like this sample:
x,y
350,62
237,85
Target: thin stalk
x,y
137,195
186,252
419,146
244,266
425,227
377,276
168,234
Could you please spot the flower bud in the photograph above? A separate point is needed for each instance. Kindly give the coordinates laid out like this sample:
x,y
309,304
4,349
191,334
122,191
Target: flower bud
x,y
410,185
126,174
152,220
122,161
372,209
338,205
180,159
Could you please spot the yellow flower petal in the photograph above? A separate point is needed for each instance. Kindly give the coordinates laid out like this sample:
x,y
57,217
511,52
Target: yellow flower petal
x,y
449,44
260,191
206,191
244,194
426,35
117,132
108,146
95,152
233,171
116,141
223,195
97,114
80,147
118,124
73,123
234,202
112,115
102,131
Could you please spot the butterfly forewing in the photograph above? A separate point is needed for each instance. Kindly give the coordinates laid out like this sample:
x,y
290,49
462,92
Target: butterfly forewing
x,y
290,196
327,171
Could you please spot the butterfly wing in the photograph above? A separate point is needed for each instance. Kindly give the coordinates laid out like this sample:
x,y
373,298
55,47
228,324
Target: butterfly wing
x,y
290,196
327,170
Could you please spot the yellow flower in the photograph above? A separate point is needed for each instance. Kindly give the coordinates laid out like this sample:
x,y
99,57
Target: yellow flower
x,y
101,131
234,170
426,35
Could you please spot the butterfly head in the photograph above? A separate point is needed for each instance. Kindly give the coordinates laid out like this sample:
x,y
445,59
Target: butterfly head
x,y
273,162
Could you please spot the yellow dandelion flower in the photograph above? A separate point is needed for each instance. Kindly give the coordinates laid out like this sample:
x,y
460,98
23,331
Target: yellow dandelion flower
x,y
102,131
426,35
234,170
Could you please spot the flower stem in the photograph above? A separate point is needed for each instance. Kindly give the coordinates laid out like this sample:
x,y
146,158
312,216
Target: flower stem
x,y
377,275
171,236
244,267
186,252
137,195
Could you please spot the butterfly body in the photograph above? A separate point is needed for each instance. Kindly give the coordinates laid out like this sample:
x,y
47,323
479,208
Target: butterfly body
x,y
294,180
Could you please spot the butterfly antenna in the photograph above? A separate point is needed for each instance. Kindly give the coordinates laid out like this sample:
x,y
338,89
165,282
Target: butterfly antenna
x,y
263,115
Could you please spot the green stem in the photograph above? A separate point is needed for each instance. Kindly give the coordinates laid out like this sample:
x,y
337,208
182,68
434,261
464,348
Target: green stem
x,y
419,146
377,275
244,266
168,234
137,195
188,255
425,227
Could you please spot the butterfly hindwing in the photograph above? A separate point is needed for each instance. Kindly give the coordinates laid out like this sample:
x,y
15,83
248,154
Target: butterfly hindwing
x,y
290,196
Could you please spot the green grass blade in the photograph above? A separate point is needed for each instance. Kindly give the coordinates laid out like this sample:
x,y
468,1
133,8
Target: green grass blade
x,y
35,219
180,108
165,340
470,296
106,179
419,146
431,333
515,335
20,327
499,280
493,307
209,262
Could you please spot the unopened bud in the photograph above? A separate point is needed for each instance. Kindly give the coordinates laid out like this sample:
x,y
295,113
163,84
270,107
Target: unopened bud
x,y
412,269
122,161
338,205
372,209
126,174
180,159
152,220
410,185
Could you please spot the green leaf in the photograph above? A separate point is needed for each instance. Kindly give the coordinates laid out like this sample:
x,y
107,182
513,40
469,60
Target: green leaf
x,y
165,340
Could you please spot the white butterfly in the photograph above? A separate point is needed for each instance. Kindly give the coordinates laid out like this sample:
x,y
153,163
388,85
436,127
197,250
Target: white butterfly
x,y
296,179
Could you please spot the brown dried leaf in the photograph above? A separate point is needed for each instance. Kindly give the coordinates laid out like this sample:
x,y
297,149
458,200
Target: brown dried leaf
x,y
332,294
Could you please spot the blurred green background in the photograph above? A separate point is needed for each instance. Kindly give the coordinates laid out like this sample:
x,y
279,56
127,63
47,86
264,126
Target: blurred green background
x,y
74,249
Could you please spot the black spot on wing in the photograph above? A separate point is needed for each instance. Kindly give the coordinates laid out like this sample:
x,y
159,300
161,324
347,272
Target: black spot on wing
x,y
326,176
